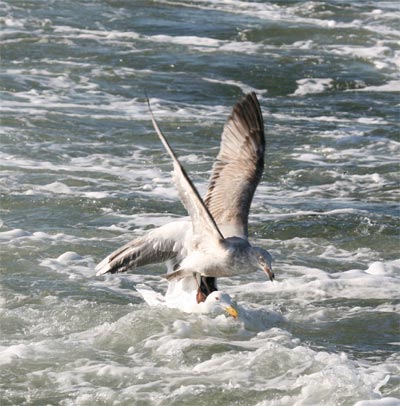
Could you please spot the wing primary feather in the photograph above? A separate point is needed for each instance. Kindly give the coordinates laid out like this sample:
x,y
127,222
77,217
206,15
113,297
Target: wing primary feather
x,y
238,168
189,195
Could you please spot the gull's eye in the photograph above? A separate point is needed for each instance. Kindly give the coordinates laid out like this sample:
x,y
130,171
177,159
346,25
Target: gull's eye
x,y
216,298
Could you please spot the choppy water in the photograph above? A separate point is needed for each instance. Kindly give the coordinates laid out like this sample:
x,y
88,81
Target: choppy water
x,y
82,173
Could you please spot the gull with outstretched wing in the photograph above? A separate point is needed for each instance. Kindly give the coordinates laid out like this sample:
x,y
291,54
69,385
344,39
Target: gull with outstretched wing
x,y
214,242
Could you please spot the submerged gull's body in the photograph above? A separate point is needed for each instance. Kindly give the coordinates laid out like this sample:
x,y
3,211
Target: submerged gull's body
x,y
214,242
182,295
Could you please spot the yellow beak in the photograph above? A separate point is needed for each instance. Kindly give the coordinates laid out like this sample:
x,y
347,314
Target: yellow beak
x,y
232,311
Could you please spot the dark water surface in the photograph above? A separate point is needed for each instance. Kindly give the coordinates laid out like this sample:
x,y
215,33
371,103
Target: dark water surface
x,y
82,172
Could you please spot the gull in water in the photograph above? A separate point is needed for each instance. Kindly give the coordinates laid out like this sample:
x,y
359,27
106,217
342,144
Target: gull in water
x,y
213,243
182,294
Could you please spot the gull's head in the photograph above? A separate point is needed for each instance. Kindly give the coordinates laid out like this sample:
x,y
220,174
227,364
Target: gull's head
x,y
262,259
220,300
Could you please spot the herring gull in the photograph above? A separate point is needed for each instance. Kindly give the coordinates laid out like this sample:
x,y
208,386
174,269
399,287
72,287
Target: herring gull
x,y
213,243
182,295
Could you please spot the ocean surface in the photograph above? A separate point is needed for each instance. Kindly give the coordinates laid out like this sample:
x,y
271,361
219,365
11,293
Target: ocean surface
x,y
82,172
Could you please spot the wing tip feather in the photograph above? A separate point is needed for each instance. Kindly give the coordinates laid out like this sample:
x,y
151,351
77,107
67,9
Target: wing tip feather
x,y
103,267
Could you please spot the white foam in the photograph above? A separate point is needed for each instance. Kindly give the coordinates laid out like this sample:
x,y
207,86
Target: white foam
x,y
312,86
352,284
68,257
362,52
369,156
391,86
22,237
10,21
264,11
390,401
14,234
71,264
244,87
377,268
56,187
202,44
187,40
381,55
12,353
97,195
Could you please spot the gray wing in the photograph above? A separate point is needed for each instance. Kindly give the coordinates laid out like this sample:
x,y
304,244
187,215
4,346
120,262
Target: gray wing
x,y
159,245
238,168
202,221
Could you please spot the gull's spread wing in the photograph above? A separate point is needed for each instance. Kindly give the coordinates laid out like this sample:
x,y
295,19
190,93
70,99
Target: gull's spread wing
x,y
238,168
159,245
202,221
